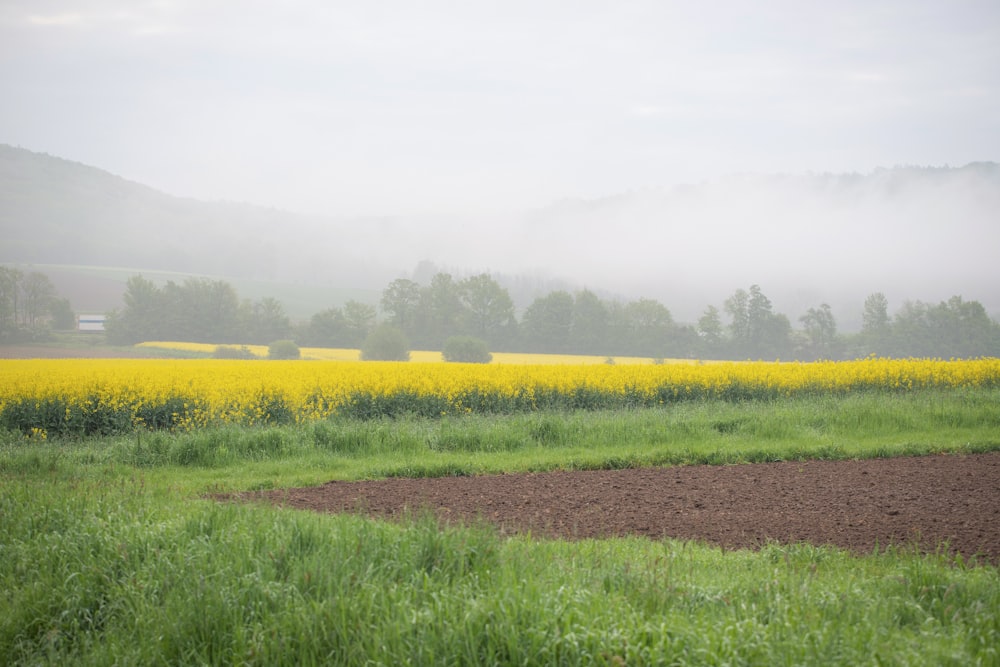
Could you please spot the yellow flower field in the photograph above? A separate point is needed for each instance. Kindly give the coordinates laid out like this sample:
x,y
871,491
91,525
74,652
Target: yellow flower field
x,y
116,395
347,354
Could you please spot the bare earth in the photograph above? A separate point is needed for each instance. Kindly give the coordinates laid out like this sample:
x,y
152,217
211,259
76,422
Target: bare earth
x,y
926,502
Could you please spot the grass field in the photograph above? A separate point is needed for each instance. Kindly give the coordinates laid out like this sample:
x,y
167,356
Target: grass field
x,y
110,555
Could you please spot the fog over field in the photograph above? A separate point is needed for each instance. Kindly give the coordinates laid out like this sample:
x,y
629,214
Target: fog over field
x,y
644,149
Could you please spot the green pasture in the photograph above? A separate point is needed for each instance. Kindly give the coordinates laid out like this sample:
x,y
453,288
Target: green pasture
x,y
109,553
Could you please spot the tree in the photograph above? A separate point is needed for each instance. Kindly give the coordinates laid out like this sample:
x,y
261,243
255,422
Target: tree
x,y
648,327
737,306
10,290
386,343
142,318
283,349
756,330
821,332
401,300
200,310
876,326
263,321
61,312
953,328
359,321
38,293
466,349
327,328
488,309
588,333
547,321
442,309
710,332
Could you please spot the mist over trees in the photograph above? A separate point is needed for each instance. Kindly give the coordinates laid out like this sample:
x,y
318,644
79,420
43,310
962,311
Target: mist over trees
x,y
29,306
746,326
198,310
426,316
911,232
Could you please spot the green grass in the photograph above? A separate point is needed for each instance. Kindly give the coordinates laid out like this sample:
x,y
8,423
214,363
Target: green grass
x,y
109,555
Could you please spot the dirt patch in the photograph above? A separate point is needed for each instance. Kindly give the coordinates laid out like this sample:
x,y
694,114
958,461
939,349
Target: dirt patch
x,y
924,501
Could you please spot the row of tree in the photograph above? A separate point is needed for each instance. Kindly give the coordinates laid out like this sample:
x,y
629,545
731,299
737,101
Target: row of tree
x,y
198,310
744,327
29,306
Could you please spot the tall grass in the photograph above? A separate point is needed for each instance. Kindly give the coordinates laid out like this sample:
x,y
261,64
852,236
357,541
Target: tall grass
x,y
109,556
107,572
715,431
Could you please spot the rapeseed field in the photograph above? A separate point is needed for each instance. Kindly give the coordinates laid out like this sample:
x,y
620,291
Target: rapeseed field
x,y
101,396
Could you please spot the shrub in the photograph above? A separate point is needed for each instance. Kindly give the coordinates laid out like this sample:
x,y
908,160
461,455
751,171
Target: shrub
x,y
283,349
466,349
232,352
386,343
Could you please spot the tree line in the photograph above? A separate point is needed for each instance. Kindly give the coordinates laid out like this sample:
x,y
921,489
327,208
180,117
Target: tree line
x,y
29,306
744,326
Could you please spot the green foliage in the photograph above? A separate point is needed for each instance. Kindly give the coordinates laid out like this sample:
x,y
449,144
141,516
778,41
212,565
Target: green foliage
x,y
283,349
233,352
111,564
466,349
386,343
28,303
63,317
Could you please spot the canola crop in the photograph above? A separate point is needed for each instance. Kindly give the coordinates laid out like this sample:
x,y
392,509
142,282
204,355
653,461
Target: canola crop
x,y
103,396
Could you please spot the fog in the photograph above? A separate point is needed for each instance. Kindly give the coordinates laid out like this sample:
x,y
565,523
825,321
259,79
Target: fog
x,y
643,148
913,234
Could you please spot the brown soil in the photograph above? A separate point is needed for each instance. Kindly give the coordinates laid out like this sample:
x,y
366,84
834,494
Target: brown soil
x,y
926,502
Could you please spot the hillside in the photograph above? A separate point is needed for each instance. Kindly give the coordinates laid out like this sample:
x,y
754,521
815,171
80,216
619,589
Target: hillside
x,y
913,233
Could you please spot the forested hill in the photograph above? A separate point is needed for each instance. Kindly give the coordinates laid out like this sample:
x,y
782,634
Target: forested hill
x,y
54,211
914,233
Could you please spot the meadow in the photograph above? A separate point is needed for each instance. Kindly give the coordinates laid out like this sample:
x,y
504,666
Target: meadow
x,y
110,551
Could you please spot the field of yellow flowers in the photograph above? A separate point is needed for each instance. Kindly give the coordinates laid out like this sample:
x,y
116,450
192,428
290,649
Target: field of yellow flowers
x,y
101,396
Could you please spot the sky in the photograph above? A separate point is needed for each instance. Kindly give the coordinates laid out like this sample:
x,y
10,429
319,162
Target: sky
x,y
406,108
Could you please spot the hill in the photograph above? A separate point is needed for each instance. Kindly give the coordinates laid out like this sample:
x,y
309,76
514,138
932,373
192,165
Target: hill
x,y
914,233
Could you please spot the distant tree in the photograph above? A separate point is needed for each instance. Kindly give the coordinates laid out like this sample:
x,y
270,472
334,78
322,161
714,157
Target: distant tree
x,y
737,307
400,300
326,328
142,318
10,291
199,310
385,343
876,327
262,321
441,310
953,328
359,321
589,331
61,312
546,322
233,352
38,293
710,332
488,309
649,327
821,332
283,349
466,349
756,331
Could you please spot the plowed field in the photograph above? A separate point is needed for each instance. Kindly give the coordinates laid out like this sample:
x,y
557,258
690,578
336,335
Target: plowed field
x,y
932,502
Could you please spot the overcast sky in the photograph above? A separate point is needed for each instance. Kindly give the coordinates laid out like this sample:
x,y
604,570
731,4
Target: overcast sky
x,y
351,107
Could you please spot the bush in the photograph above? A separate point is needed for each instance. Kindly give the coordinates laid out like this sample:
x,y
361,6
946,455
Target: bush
x,y
231,352
386,343
466,349
283,349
